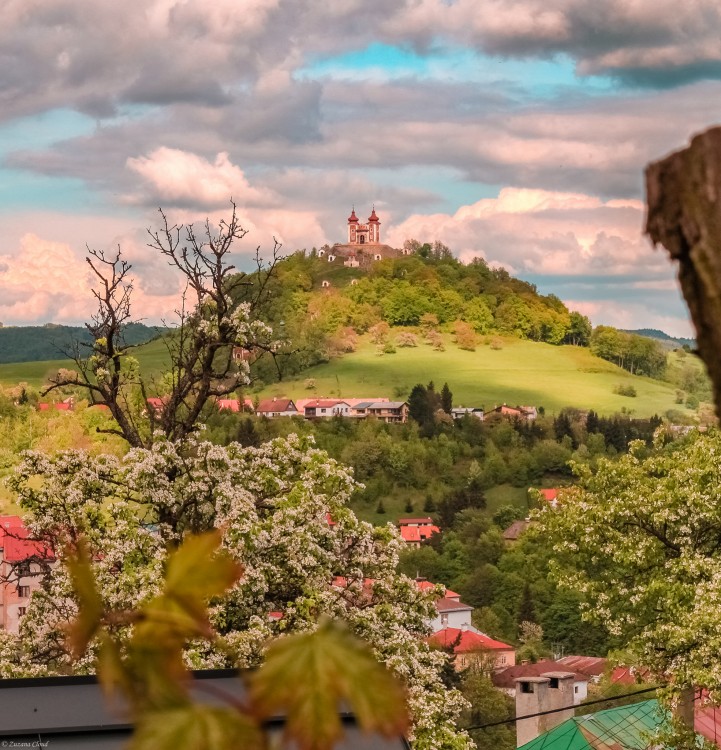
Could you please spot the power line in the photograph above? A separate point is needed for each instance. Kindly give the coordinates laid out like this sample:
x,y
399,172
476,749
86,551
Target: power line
x,y
557,710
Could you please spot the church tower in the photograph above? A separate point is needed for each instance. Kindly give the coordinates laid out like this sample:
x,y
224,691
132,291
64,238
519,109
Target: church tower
x,y
364,234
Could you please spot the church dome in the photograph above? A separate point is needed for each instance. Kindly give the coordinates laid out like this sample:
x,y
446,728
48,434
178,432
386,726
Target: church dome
x,y
353,219
373,216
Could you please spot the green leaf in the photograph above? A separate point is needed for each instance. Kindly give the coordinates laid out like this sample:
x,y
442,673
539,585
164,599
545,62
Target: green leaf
x,y
90,603
309,677
197,727
199,570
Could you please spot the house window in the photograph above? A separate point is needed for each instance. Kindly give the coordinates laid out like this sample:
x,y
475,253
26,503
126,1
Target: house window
x,y
575,689
554,682
502,660
526,687
444,620
21,611
23,591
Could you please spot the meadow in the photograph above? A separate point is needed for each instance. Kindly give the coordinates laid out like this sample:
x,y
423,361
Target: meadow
x,y
153,358
520,372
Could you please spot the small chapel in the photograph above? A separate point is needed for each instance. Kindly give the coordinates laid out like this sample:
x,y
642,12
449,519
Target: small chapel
x,y
364,234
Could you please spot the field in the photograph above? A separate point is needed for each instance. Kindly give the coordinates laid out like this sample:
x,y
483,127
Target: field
x,y
153,359
520,372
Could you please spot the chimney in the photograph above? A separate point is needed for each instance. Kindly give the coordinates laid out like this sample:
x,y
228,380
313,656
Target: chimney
x,y
536,695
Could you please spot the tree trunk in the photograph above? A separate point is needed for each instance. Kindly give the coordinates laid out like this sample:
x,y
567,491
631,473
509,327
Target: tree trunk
x,y
683,192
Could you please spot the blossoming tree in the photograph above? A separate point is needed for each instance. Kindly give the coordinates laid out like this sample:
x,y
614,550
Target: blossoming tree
x,y
281,508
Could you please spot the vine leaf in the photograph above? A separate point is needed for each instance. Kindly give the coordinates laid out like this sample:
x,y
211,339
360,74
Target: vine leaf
x,y
196,727
198,571
310,677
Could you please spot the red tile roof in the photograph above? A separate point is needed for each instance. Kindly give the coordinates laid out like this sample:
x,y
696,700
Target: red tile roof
x,y
590,665
325,403
466,640
425,585
16,546
418,533
549,495
228,404
707,720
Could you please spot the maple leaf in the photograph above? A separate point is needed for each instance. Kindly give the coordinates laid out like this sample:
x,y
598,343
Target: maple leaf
x,y
309,678
196,727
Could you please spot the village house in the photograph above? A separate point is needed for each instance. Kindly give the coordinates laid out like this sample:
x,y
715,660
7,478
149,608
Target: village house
x,y
459,412
67,405
512,534
470,647
548,495
385,411
277,407
514,412
452,613
326,409
21,562
417,530
241,354
234,405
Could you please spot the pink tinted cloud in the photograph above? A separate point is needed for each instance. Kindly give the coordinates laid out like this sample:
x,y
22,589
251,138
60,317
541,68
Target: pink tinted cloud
x,y
192,188
174,177
543,232
46,281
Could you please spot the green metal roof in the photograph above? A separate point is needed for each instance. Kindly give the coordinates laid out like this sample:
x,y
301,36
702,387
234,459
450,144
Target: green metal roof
x,y
623,728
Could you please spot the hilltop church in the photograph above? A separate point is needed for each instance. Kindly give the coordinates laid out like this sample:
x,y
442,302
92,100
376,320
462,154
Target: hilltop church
x,y
363,246
364,234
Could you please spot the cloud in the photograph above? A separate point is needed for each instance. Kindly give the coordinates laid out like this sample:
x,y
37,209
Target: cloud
x,y
45,281
647,42
177,178
543,232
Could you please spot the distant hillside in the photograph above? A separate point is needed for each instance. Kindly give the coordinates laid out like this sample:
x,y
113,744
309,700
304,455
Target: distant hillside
x,y
51,342
512,372
663,338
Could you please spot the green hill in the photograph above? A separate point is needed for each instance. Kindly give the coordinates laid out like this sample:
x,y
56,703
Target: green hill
x,y
51,342
521,372
153,358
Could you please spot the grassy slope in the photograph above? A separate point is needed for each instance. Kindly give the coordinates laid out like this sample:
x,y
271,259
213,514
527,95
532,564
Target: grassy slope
x,y
522,372
153,359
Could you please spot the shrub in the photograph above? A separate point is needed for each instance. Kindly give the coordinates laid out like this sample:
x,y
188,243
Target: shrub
x,y
407,339
466,337
389,348
625,390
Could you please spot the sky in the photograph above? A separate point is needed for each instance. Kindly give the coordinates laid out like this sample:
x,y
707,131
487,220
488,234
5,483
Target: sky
x,y
514,130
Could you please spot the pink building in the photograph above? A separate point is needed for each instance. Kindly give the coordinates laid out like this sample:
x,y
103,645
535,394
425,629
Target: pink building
x,y
21,562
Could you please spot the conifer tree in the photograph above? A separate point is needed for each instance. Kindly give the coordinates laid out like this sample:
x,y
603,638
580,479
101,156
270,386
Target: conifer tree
x,y
446,399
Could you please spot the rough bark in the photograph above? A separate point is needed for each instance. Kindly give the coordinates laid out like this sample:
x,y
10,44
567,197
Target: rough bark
x,y
683,193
